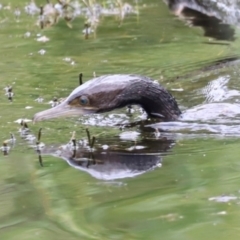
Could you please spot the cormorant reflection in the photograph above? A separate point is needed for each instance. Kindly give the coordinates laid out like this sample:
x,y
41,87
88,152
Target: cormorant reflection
x,y
113,162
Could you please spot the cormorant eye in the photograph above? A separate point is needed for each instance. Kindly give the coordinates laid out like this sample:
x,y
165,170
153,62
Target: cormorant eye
x,y
83,100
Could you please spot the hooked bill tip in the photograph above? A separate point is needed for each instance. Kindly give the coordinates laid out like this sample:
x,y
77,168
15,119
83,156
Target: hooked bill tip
x,y
37,118
34,120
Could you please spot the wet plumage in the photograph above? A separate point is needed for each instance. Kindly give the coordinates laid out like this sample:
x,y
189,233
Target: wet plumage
x,y
105,93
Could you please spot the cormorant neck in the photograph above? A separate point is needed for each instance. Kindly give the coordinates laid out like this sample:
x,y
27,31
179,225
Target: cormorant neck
x,y
154,99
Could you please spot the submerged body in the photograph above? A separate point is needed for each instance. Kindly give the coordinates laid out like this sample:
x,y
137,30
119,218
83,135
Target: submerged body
x,y
105,93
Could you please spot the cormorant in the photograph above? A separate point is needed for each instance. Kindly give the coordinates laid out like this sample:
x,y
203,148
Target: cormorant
x,y
105,93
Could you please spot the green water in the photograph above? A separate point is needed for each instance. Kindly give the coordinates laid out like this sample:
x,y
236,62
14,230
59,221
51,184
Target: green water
x,y
59,202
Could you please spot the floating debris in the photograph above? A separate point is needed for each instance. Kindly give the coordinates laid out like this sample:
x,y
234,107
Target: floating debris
x,y
9,93
39,147
6,89
221,213
17,13
223,198
42,52
12,139
87,30
21,120
171,217
39,99
24,130
43,39
28,107
67,59
5,148
27,34
30,138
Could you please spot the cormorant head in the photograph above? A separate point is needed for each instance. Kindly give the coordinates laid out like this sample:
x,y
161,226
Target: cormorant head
x,y
97,95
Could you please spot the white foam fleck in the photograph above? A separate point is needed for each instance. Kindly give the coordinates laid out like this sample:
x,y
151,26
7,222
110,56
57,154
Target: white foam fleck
x,y
223,199
22,120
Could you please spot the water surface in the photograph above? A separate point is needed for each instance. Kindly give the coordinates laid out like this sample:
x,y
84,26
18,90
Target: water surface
x,y
193,190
